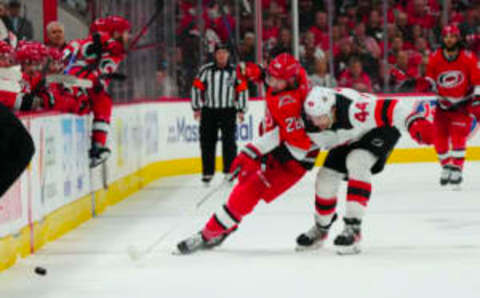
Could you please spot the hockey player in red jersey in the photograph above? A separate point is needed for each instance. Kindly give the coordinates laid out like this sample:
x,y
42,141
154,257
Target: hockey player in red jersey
x,y
66,98
96,58
26,91
272,163
360,131
454,74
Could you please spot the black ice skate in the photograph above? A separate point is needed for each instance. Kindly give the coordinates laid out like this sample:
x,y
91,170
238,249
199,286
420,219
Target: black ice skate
x,y
315,237
348,241
206,180
98,154
456,178
198,242
445,175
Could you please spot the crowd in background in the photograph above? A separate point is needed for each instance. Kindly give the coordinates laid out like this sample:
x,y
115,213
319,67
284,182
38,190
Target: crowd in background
x,y
357,38
356,56
15,21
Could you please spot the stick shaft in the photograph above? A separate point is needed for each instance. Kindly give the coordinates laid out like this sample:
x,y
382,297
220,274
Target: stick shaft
x,y
145,27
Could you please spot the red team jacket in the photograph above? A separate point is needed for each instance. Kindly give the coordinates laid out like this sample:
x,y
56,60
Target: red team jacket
x,y
454,80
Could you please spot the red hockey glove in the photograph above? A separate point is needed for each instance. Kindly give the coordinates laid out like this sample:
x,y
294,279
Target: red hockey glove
x,y
247,161
422,131
250,71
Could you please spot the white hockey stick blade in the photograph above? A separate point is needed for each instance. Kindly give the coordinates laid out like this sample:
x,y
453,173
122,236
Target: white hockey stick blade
x,y
69,80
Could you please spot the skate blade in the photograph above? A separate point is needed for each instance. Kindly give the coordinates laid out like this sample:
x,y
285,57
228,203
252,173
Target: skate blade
x,y
177,252
312,247
348,250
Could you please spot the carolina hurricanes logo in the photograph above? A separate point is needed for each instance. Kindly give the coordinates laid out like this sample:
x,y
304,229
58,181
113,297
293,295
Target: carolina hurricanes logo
x,y
450,79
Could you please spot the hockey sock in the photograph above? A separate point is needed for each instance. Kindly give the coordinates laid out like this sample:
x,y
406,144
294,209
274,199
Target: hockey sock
x,y
458,158
222,222
358,195
324,210
100,132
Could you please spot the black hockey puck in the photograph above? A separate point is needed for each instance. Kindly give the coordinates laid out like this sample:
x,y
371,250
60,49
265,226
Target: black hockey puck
x,y
40,271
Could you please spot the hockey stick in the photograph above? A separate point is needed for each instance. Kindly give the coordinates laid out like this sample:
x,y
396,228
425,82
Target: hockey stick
x,y
217,188
105,175
145,27
136,254
69,80
247,7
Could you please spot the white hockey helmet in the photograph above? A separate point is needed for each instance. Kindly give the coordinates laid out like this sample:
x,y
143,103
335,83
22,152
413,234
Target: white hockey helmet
x,y
319,101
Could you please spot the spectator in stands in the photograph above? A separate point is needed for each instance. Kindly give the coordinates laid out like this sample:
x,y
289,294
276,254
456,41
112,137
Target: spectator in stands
x,y
284,44
4,16
404,27
364,7
275,7
417,32
352,15
402,75
344,55
321,77
365,42
366,54
397,46
470,28
422,47
309,53
354,77
306,18
21,27
56,35
271,32
247,48
80,6
375,26
336,37
320,29
471,23
392,32
422,13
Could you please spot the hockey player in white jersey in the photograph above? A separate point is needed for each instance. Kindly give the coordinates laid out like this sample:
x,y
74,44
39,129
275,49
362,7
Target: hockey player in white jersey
x,y
360,131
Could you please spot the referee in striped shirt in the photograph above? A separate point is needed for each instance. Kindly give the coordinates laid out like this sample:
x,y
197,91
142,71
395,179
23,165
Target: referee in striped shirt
x,y
219,98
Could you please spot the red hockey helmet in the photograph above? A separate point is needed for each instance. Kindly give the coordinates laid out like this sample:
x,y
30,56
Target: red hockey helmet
x,y
31,52
284,67
110,25
451,29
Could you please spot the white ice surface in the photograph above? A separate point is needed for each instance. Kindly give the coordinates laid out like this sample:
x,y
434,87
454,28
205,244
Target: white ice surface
x,y
419,241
